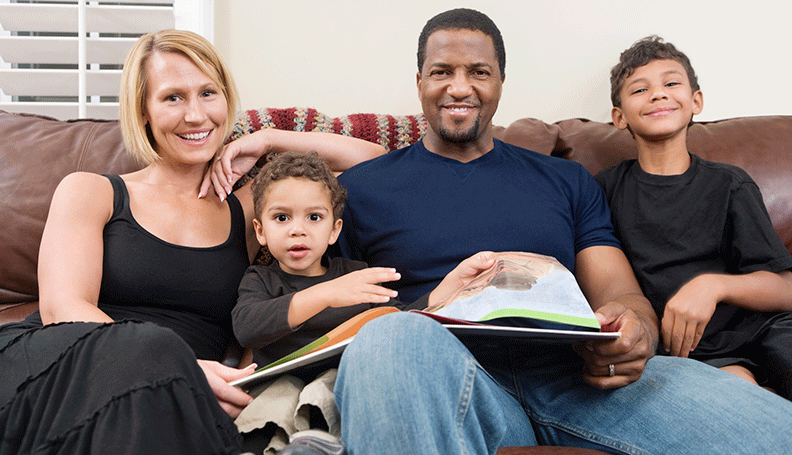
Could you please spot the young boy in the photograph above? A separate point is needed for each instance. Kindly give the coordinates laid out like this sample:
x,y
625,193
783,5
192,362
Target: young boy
x,y
303,295
697,233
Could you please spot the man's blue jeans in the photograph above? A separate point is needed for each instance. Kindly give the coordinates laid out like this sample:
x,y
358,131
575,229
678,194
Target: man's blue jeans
x,y
408,386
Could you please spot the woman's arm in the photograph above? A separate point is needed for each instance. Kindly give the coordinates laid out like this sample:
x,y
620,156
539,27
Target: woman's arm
x,y
341,152
71,253
237,157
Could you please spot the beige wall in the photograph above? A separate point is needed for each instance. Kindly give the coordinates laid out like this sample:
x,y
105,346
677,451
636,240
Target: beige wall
x,y
351,56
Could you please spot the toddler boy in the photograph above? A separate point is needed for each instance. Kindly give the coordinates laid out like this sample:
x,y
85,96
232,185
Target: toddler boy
x,y
697,233
304,294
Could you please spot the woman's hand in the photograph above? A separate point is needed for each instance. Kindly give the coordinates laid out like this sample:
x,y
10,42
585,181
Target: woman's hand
x,y
233,161
231,399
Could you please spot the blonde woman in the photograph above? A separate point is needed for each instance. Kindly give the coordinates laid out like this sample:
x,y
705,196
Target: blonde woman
x,y
138,274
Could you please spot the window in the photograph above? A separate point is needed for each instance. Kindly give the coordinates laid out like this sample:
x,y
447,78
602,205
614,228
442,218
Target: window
x,y
46,68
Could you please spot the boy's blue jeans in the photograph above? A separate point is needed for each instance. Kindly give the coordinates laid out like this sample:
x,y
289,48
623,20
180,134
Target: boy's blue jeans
x,y
407,386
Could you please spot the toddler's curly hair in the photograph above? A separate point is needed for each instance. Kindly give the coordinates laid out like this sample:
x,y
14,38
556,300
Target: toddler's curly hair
x,y
311,166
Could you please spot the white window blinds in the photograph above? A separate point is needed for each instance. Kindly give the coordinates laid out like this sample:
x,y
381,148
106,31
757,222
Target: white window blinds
x,y
62,58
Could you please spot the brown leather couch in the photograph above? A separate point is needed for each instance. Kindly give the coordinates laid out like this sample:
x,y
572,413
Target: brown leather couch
x,y
37,152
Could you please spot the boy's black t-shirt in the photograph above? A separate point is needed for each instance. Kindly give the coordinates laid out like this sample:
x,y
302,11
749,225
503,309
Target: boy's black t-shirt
x,y
710,219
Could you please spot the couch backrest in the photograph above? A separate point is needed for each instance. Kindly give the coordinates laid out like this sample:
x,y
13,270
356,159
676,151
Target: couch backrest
x,y
37,152
762,146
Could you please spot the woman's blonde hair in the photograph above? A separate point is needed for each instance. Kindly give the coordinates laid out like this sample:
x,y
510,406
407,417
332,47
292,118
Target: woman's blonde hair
x,y
132,99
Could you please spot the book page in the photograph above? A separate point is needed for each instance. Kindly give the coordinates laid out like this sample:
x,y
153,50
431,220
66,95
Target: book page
x,y
521,285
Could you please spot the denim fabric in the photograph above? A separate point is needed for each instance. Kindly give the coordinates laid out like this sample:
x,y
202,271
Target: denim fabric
x,y
407,385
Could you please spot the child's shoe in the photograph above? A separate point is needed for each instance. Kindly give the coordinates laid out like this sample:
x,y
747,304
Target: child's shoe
x,y
313,442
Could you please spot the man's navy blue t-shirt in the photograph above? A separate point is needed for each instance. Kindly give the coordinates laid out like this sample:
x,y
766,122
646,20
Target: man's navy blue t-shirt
x,y
423,213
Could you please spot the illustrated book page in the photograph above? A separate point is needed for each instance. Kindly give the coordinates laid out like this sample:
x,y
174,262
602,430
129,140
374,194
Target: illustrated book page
x,y
523,290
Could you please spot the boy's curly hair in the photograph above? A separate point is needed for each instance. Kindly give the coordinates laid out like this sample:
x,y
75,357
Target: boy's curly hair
x,y
311,166
643,52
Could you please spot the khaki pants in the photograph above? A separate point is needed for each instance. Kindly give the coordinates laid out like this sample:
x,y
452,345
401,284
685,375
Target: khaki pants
x,y
285,404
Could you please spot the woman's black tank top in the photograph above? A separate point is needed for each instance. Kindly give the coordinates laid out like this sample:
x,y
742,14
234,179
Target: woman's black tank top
x,y
189,290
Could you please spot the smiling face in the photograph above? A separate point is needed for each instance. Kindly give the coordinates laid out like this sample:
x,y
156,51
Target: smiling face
x,y
185,110
657,102
296,224
459,87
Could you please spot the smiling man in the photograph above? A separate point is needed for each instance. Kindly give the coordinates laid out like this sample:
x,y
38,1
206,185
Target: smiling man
x,y
459,86
406,385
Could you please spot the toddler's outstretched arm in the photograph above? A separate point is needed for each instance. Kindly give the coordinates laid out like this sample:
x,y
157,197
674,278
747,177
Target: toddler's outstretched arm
x,y
360,286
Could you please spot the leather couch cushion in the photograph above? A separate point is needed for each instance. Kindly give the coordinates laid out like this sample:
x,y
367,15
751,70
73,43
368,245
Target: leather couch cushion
x,y
36,153
762,146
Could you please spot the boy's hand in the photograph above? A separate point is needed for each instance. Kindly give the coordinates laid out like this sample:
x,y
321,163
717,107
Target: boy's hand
x,y
361,286
462,274
687,314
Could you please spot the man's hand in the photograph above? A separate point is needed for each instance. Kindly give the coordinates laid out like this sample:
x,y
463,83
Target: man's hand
x,y
609,285
687,314
627,354
460,277
231,399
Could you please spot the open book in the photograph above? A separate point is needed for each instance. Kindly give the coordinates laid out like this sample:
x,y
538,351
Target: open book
x,y
524,296
520,290
322,350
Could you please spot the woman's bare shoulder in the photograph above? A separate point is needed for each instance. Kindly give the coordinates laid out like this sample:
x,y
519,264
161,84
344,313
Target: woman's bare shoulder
x,y
82,179
84,190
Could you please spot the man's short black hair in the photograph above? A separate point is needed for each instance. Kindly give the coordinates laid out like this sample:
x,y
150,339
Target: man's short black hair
x,y
463,19
643,52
